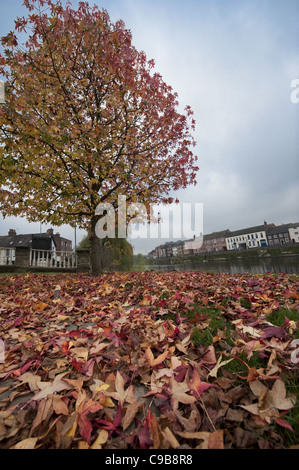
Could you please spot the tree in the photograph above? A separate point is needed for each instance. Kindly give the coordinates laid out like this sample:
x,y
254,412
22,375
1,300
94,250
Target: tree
x,y
86,118
114,253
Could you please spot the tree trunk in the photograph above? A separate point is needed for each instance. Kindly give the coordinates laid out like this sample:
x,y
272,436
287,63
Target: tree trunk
x,y
101,257
95,250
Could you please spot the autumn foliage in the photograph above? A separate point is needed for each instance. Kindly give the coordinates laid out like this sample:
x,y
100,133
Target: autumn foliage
x,y
86,118
149,361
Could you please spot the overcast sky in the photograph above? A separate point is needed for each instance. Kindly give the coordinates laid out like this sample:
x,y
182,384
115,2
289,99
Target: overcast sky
x,y
233,62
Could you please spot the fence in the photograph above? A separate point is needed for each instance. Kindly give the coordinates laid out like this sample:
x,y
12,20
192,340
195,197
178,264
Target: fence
x,y
52,259
23,259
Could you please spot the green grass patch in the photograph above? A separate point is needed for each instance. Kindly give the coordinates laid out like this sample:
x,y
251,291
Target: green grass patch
x,y
290,438
279,317
217,322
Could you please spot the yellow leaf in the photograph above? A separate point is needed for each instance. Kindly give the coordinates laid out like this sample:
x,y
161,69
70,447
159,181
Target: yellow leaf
x,y
100,388
101,439
83,445
109,403
28,443
62,317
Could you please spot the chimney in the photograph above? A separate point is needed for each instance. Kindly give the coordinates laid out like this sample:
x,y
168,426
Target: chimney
x,y
11,233
50,231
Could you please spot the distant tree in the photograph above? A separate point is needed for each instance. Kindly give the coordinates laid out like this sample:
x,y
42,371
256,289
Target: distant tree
x,y
85,119
139,261
114,253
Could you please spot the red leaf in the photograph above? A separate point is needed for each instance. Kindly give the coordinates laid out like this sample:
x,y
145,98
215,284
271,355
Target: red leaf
x,y
271,331
85,427
284,423
21,370
197,386
144,436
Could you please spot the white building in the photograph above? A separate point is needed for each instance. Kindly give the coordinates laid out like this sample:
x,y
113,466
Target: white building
x,y
294,233
251,237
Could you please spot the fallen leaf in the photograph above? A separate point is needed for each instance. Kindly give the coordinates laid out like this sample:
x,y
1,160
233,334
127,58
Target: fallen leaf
x,y
48,388
28,443
170,438
179,394
130,414
219,364
101,439
216,440
154,362
277,396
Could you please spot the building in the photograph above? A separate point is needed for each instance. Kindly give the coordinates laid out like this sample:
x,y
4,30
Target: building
x,y
178,248
193,246
251,237
62,244
283,234
214,242
36,241
294,232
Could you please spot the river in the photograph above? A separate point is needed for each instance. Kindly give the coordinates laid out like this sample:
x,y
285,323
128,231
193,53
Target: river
x,y
277,264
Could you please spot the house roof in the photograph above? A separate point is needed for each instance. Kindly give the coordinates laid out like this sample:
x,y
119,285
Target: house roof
x,y
244,231
21,240
283,228
221,234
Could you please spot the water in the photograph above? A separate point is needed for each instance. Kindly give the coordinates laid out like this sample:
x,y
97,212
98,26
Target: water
x,y
277,264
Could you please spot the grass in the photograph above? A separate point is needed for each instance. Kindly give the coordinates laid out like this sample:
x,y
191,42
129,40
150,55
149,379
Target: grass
x,y
216,322
238,367
279,317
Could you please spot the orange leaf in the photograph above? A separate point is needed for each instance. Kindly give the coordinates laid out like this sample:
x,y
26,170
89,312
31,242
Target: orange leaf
x,y
40,306
154,362
216,440
196,384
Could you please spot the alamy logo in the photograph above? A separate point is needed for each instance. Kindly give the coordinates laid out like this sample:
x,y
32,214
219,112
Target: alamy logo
x,y
295,93
136,221
2,92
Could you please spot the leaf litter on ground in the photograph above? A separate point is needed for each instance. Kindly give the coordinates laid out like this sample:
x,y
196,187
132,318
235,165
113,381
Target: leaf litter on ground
x,y
149,360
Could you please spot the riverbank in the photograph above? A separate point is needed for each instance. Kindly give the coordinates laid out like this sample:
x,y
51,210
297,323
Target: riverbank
x,y
258,253
260,261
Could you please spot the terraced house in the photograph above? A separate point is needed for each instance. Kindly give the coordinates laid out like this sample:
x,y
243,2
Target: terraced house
x,y
251,237
283,234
